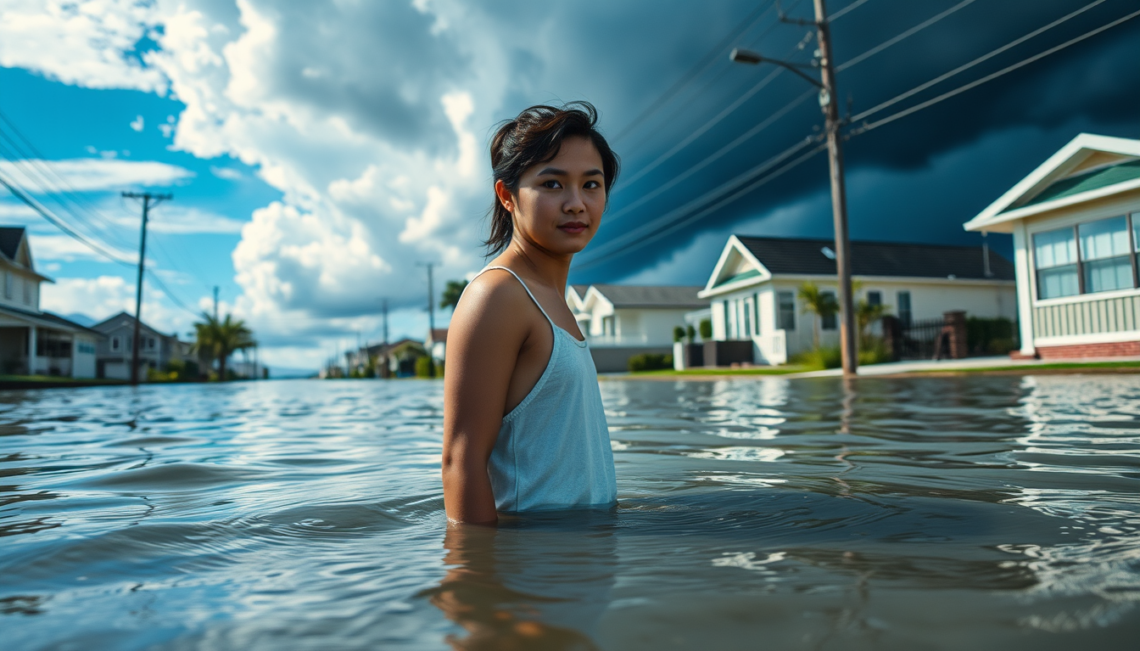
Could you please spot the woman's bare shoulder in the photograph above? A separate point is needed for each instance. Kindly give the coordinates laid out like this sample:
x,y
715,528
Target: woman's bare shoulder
x,y
495,296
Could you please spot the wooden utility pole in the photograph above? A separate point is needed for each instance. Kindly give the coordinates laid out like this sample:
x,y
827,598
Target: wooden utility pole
x,y
431,316
148,201
828,101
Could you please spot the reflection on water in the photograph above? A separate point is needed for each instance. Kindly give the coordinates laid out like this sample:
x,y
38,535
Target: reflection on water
x,y
994,512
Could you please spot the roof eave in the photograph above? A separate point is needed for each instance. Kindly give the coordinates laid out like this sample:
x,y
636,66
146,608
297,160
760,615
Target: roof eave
x,y
980,224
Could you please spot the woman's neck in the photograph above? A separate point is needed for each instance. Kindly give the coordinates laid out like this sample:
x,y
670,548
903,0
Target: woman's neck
x,y
542,265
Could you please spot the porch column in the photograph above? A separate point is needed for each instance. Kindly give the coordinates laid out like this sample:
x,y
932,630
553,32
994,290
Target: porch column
x,y
32,350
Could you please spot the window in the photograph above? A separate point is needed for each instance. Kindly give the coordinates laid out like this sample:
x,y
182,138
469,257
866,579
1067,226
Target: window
x,y
150,342
829,321
747,309
756,307
728,322
874,298
905,316
116,343
786,319
27,291
1106,261
1055,254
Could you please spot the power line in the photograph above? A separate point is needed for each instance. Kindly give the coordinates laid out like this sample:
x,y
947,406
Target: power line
x,y
711,195
684,221
971,64
990,77
908,33
844,11
698,69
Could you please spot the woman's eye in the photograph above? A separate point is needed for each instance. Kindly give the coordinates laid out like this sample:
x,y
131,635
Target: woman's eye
x,y
552,184
590,185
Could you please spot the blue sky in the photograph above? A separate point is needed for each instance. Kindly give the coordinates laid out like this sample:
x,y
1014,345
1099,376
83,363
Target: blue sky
x,y
316,153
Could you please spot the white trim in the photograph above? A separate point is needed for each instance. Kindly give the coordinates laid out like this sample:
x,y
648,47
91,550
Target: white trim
x,y
1093,338
733,243
1086,298
1099,193
1056,166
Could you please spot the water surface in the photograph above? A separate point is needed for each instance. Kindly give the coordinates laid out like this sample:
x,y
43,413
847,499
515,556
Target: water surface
x,y
925,513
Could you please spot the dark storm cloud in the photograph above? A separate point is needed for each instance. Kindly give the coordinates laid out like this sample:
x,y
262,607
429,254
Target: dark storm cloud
x,y
1094,86
387,84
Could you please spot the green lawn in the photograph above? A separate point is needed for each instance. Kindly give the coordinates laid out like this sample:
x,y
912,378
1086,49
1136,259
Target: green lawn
x,y
755,370
1034,368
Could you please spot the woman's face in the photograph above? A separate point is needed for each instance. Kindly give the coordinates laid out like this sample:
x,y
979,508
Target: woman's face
x,y
559,203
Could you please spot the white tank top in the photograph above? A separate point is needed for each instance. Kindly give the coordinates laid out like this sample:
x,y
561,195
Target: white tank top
x,y
553,450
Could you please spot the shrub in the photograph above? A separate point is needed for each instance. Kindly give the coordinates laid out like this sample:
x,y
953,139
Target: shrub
x,y
678,334
994,336
818,358
691,333
650,362
424,367
874,351
706,330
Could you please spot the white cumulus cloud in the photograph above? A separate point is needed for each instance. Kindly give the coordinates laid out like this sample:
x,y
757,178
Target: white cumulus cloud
x,y
96,174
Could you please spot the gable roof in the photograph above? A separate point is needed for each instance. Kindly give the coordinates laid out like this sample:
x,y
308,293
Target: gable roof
x,y
10,238
1088,167
651,296
813,257
48,319
112,322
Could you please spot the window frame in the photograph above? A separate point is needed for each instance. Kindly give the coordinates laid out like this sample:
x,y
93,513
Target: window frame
x,y
781,323
832,321
908,318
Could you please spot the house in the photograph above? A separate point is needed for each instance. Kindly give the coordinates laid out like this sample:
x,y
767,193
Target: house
x,y
753,289
400,355
1075,222
620,321
436,342
156,350
32,341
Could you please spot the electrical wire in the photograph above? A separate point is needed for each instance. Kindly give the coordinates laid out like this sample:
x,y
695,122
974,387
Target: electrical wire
x,y
985,57
854,61
846,10
698,69
990,77
695,204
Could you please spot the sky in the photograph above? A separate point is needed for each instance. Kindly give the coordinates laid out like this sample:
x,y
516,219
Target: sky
x,y
319,154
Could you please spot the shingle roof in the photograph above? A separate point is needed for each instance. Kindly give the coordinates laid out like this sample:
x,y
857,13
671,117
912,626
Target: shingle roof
x,y
48,317
806,257
652,296
1094,180
10,237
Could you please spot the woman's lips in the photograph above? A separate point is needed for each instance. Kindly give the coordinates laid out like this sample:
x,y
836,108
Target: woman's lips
x,y
573,227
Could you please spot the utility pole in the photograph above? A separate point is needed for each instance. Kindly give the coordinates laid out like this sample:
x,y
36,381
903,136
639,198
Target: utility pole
x,y
827,101
148,201
215,302
431,315
384,371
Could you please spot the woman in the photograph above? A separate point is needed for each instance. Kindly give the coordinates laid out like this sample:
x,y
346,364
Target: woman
x,y
523,426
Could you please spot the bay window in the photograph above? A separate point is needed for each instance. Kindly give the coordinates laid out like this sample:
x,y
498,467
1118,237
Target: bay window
x,y
1106,261
1055,253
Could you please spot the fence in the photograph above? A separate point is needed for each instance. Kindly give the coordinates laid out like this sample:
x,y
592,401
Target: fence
x,y
919,339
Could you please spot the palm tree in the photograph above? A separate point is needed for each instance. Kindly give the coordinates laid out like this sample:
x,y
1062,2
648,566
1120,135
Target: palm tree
x,y
822,304
221,338
865,315
451,293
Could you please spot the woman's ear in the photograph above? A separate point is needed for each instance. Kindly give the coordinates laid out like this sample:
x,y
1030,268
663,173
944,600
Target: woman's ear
x,y
504,195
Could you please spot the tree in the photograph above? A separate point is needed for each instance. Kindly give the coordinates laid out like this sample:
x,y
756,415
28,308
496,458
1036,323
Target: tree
x,y
822,304
221,338
451,293
865,315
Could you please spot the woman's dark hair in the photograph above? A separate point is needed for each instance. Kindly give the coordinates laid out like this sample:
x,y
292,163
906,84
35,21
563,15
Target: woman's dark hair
x,y
534,137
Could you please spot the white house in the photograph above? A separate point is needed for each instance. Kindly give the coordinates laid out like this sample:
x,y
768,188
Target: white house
x,y
34,342
753,288
620,321
156,349
1075,222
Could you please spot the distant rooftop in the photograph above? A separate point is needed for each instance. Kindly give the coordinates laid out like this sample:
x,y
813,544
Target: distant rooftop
x,y
652,296
808,257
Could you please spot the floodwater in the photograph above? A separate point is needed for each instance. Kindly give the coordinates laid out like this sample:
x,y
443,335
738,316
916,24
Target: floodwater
x,y
925,513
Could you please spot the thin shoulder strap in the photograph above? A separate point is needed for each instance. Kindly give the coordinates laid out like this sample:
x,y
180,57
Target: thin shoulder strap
x,y
486,269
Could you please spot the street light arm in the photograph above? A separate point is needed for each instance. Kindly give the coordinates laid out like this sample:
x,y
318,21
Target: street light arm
x,y
741,55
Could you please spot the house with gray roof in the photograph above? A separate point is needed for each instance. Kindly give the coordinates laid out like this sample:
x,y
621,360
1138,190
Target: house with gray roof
x,y
620,321
32,341
1075,222
156,349
753,290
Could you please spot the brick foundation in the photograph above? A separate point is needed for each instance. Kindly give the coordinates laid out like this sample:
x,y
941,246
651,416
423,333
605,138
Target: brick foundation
x,y
1115,349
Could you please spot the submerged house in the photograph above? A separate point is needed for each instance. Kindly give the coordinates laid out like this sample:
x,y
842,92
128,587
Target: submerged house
x,y
754,288
1075,222
620,321
32,341
156,349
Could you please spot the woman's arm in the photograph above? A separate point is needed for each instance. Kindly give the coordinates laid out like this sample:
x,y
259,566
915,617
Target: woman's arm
x,y
483,341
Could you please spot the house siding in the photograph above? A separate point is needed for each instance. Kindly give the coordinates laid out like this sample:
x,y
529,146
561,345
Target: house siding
x,y
1116,314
